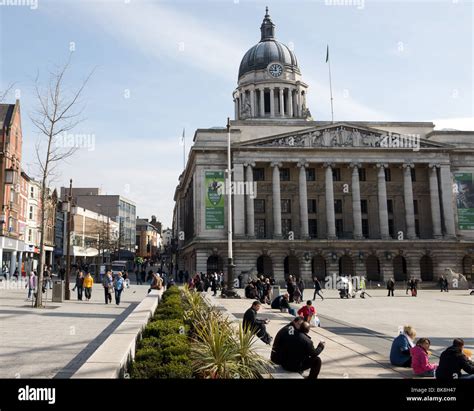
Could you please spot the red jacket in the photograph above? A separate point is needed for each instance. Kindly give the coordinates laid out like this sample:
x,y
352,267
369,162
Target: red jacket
x,y
307,311
419,360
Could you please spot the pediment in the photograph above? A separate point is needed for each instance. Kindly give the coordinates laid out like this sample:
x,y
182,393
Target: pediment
x,y
342,135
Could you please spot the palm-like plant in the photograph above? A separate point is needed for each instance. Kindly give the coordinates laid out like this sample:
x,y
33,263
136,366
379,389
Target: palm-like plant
x,y
251,364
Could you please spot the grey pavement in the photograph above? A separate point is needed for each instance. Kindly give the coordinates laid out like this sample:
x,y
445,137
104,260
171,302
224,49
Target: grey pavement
x,y
53,342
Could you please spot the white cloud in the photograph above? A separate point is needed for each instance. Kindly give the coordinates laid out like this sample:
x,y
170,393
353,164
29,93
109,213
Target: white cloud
x,y
460,123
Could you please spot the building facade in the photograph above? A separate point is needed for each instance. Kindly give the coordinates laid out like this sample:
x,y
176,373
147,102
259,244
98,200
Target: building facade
x,y
116,207
148,239
313,198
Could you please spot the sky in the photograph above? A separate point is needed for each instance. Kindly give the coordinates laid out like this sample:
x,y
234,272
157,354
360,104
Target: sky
x,y
164,66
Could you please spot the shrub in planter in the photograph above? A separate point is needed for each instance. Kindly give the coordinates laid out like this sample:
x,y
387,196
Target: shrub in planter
x,y
174,347
149,342
161,328
175,370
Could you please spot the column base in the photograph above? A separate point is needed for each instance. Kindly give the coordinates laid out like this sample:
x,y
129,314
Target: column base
x,y
359,237
251,237
449,237
278,237
386,237
332,237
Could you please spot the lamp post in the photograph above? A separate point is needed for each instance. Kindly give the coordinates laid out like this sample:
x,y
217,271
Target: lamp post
x,y
229,291
67,292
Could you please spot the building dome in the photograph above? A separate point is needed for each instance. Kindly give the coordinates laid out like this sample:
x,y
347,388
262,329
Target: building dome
x,y
268,50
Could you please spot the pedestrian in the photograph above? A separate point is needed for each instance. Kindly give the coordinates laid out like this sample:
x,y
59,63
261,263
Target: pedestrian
x,y
186,276
138,277
295,351
32,285
214,280
290,288
108,284
88,283
453,361
118,286
441,283
267,292
307,311
256,325
420,359
301,287
390,287
47,278
446,284
79,286
156,283
317,288
414,287
400,351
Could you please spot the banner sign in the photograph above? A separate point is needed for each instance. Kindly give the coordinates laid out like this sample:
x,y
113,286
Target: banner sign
x,y
214,186
465,200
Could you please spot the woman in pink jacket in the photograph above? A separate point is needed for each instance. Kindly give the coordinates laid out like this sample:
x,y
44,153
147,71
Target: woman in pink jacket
x,y
419,359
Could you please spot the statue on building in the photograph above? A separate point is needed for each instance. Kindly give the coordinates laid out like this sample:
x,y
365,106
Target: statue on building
x,y
246,111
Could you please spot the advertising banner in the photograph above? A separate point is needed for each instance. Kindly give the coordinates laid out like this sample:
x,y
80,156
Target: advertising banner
x,y
214,186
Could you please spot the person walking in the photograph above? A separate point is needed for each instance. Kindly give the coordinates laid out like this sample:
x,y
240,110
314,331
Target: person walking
x,y
214,280
317,288
88,283
47,278
301,287
79,286
445,284
452,361
118,286
108,284
258,326
390,287
290,288
441,283
31,285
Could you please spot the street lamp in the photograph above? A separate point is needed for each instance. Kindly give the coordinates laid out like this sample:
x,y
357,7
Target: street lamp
x,y
68,206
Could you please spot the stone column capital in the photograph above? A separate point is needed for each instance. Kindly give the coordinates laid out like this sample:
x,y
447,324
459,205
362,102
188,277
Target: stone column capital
x,y
381,165
302,163
434,166
328,165
276,164
355,165
249,164
408,165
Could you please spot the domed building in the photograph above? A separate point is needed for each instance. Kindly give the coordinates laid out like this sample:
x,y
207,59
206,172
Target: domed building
x,y
316,198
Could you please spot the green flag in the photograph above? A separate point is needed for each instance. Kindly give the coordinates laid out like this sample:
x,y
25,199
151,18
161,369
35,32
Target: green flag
x,y
327,54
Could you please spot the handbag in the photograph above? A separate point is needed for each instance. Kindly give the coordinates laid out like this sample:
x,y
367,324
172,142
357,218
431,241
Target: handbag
x,y
315,322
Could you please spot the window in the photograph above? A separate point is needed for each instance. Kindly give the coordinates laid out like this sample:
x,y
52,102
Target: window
x,y
413,174
286,226
30,236
363,206
338,206
30,215
365,227
362,176
258,174
391,228
310,174
313,228
311,205
336,174
32,192
417,228
260,228
390,206
415,206
388,174
284,174
285,206
259,206
339,228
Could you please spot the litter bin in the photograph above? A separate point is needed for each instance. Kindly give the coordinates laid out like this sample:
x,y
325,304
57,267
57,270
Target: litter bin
x,y
58,291
276,290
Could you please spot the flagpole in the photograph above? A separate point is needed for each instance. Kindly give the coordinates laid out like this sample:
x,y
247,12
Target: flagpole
x,y
330,85
184,148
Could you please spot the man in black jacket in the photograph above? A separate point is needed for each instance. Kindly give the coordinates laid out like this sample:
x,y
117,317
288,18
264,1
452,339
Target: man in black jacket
x,y
299,352
253,323
282,339
452,361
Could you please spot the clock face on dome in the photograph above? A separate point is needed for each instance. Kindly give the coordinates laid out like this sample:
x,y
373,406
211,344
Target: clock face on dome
x,y
275,70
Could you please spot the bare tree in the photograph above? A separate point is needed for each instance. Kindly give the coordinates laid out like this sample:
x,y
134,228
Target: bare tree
x,y
4,93
56,113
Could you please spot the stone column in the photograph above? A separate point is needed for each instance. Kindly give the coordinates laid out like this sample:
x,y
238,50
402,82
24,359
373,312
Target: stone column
x,y
290,102
303,200
276,201
250,201
20,262
298,103
447,199
356,208
382,197
272,102
13,263
282,103
238,203
330,215
236,107
408,196
262,102
252,102
1,260
434,197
